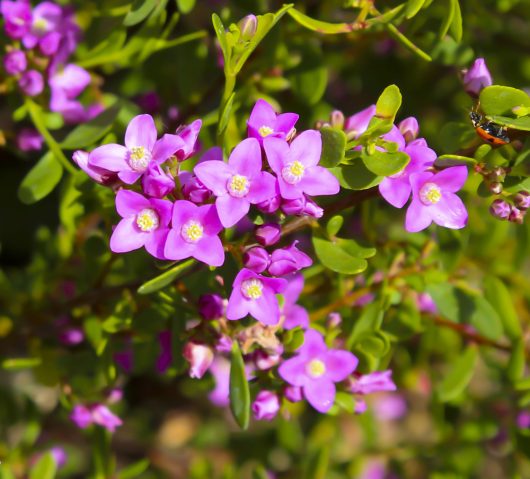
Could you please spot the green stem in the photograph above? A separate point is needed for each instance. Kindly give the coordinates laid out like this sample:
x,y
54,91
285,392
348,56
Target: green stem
x,y
35,112
101,451
407,43
230,84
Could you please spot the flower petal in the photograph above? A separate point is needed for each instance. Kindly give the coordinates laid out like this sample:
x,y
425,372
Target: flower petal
x,y
262,187
449,212
128,176
156,242
237,307
452,179
210,251
265,309
285,122
126,237
319,181
176,248
112,157
166,147
130,203
295,315
277,151
313,345
306,148
183,211
214,175
246,158
395,190
417,217
293,371
320,394
261,115
231,210
141,132
164,208
339,364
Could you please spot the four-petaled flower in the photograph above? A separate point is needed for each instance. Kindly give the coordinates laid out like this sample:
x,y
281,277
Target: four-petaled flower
x,y
434,199
194,231
296,166
141,148
238,183
264,122
254,294
316,369
145,223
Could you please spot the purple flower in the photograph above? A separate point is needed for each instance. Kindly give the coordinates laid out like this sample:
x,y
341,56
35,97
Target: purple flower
x,y
99,175
102,416
29,139
288,260
199,356
194,233
296,166
46,18
15,62
316,369
293,314
396,189
266,406
357,124
477,77
141,148
237,184
293,393
156,182
255,295
523,420
264,122
302,206
220,370
372,383
434,199
257,259
426,304
17,18
31,83
59,456
268,234
211,306
522,200
188,134
145,223
165,357
71,336
81,416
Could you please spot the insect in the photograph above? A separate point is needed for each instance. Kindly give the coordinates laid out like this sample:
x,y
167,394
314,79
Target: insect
x,y
489,131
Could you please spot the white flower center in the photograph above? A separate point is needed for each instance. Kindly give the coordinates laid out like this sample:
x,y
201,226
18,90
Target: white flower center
x,y
430,194
40,25
139,158
192,231
293,172
316,368
265,131
238,186
252,288
147,220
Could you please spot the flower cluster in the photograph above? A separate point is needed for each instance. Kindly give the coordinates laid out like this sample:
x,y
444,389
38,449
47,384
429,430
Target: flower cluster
x,y
43,38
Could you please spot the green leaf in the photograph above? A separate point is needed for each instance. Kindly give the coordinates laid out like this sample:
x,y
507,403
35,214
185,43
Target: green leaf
x,y
522,124
444,161
88,133
388,103
459,375
41,179
355,249
413,7
500,100
239,389
517,363
485,319
345,401
383,163
221,36
21,363
333,146
336,259
134,470
309,79
448,19
369,322
319,26
185,6
456,23
165,278
499,297
334,225
356,176
45,468
140,10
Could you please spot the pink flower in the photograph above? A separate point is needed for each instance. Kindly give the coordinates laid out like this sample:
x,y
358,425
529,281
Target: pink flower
x,y
102,416
372,383
302,206
296,166
17,17
188,134
477,77
316,369
31,83
288,260
46,19
264,122
237,184
156,182
141,148
256,259
29,139
220,370
268,234
145,223
81,416
266,406
199,356
357,124
434,199
194,233
409,128
294,314
99,175
255,295
15,62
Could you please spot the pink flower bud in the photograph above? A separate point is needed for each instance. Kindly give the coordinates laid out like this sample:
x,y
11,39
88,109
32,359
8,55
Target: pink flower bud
x,y
263,360
156,182
516,215
256,259
334,320
200,357
211,306
98,174
268,234
477,77
71,336
293,393
192,189
31,83
357,124
266,406
337,119
500,209
247,27
271,205
15,62
409,128
288,260
522,200
302,206
49,43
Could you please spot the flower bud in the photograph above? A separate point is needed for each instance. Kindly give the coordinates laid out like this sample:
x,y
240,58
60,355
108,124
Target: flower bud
x,y
293,393
334,320
59,456
302,206
15,62
81,416
268,234
497,174
495,188
288,260
409,128
337,119
271,205
257,259
500,209
98,174
248,26
516,216
31,83
264,360
522,200
477,77
224,344
71,336
211,306
200,357
192,189
156,182
49,43
266,406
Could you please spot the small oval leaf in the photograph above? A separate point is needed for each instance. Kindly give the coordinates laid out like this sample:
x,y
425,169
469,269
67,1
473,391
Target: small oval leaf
x,y
165,278
333,146
239,389
41,180
459,375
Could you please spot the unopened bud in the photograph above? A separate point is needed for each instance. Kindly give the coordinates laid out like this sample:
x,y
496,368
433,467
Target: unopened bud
x,y
257,259
477,77
522,200
199,356
211,306
266,406
516,216
495,188
334,320
500,209
248,26
409,128
268,234
337,119
497,174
